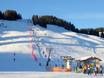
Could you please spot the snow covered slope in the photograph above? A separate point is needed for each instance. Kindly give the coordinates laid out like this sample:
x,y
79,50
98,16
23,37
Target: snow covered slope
x,y
25,47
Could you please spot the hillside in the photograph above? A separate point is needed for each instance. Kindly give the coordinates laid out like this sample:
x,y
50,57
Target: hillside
x,y
26,47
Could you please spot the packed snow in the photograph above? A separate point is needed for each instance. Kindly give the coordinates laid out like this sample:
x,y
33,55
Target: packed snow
x,y
18,39
46,75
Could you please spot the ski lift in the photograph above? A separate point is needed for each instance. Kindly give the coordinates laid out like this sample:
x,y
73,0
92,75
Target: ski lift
x,y
48,61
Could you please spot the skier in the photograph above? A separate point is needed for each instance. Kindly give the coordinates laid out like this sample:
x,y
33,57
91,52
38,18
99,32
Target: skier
x,y
14,59
95,70
88,70
101,70
14,54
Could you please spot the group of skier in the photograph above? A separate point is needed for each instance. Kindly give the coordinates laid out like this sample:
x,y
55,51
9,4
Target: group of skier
x,y
92,69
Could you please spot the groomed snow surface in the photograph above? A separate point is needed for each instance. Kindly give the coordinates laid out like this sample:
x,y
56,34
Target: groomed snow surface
x,y
46,75
19,40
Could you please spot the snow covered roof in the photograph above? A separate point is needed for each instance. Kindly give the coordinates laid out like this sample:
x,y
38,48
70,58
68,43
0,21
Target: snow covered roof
x,y
67,57
88,57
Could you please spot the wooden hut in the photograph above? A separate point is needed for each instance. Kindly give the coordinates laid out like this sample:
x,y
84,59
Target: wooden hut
x,y
89,61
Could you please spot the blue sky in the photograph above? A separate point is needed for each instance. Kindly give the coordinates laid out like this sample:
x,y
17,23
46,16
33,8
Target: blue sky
x,y
82,13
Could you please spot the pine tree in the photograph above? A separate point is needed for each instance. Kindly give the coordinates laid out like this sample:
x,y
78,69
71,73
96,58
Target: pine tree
x,y
102,34
1,15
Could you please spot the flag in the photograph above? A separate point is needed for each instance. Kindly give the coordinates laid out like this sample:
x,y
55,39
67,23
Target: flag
x,y
34,56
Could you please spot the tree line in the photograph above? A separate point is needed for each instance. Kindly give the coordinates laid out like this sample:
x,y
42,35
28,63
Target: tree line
x,y
90,31
46,19
10,15
53,20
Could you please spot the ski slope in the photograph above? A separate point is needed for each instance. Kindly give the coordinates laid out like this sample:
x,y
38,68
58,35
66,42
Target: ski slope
x,y
25,47
46,75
